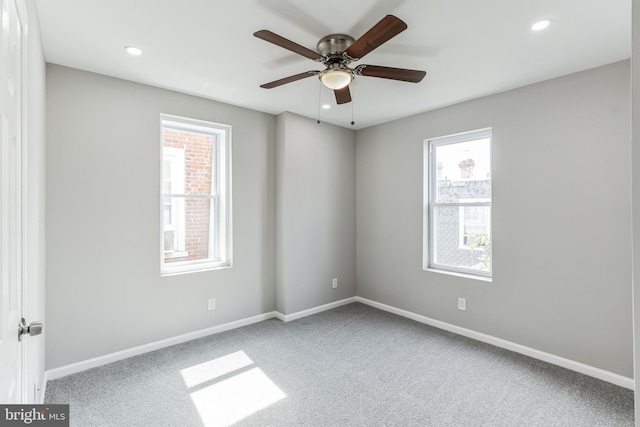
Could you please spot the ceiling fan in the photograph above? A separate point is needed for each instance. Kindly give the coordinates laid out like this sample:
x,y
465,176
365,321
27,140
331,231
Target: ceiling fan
x,y
337,51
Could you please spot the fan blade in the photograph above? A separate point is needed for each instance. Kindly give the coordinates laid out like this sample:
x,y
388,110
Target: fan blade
x,y
388,27
343,96
289,79
270,37
403,74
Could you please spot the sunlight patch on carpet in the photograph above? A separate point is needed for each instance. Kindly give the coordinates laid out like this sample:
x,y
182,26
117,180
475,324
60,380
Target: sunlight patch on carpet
x,y
207,371
237,396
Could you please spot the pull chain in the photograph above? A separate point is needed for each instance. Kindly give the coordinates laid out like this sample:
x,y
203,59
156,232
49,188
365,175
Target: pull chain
x,y
352,121
319,100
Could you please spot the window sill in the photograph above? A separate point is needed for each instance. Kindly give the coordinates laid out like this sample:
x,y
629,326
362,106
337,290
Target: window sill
x,y
174,254
193,268
458,274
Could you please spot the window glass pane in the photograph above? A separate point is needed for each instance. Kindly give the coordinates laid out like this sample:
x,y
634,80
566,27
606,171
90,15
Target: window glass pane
x,y
462,245
166,170
170,243
463,171
168,219
198,160
190,231
474,223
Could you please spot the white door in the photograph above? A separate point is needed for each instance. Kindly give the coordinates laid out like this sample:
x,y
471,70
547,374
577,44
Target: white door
x,y
11,228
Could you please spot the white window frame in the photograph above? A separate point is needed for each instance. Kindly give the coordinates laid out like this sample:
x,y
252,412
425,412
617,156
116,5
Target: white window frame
x,y
429,193
220,237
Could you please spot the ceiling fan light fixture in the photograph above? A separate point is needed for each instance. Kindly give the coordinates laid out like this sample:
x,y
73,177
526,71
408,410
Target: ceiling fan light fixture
x,y
336,79
337,51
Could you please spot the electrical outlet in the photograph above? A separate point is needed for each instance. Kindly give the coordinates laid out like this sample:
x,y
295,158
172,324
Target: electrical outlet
x,y
462,304
211,304
335,283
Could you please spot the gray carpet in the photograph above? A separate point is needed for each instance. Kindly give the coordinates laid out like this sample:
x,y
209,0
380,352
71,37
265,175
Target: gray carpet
x,y
351,366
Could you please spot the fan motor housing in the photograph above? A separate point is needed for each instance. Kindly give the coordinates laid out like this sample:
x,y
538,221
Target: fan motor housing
x,y
334,44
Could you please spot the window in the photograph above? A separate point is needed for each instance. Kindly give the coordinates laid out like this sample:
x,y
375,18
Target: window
x,y
458,203
195,195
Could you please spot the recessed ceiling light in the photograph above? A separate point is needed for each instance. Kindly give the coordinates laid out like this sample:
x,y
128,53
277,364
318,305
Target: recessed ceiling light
x,y
541,25
134,51
326,106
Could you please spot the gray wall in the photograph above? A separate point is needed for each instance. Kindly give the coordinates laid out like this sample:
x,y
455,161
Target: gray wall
x,y
104,290
315,213
561,197
561,218
35,201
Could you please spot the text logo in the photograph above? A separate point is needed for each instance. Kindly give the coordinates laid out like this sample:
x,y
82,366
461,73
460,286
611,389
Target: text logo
x,y
34,415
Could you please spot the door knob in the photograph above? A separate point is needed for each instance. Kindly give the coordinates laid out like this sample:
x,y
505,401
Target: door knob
x,y
34,328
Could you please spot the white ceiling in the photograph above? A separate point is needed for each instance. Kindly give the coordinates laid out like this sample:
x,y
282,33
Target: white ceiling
x,y
469,48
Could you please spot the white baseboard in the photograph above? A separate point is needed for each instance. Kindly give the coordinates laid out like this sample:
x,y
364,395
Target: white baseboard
x,y
319,309
43,389
598,373
124,354
498,342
